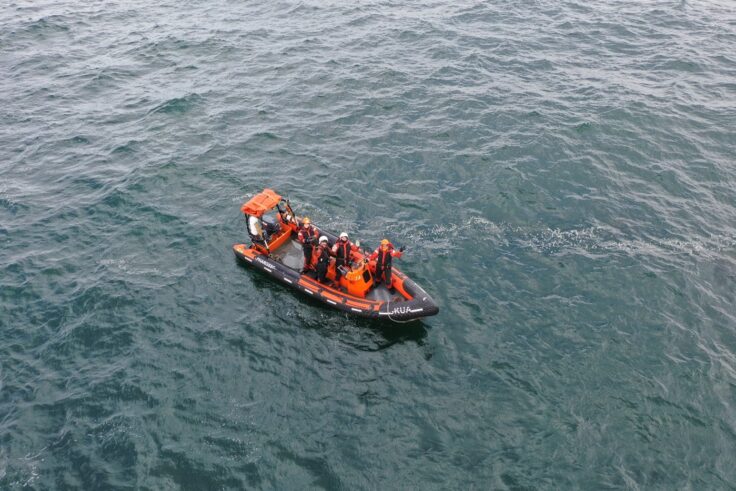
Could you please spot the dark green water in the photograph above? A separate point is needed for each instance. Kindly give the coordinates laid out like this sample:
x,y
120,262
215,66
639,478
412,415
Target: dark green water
x,y
562,173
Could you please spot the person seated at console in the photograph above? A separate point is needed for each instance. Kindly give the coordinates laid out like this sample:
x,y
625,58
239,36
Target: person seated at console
x,y
271,225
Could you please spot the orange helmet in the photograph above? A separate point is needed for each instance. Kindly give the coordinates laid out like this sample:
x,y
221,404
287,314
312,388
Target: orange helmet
x,y
306,221
385,242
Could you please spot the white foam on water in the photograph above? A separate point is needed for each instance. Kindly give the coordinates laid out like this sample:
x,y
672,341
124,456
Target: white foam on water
x,y
443,240
597,241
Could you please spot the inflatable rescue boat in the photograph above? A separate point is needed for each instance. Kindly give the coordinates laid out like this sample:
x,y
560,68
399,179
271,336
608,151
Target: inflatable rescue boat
x,y
276,251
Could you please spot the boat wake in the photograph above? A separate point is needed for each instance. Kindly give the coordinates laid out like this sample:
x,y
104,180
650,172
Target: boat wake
x,y
589,241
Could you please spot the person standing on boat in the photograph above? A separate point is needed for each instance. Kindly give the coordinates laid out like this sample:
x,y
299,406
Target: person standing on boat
x,y
342,250
323,259
383,255
308,234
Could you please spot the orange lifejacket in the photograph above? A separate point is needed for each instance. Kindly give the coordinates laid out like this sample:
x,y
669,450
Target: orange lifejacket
x,y
324,255
305,233
343,252
383,259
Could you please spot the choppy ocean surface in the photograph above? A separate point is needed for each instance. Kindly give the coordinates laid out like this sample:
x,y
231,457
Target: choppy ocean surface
x,y
562,174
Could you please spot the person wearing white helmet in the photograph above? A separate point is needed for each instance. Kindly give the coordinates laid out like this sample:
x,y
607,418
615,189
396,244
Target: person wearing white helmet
x,y
343,251
323,259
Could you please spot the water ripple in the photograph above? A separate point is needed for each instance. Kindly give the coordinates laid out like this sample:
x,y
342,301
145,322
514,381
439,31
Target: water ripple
x,y
561,174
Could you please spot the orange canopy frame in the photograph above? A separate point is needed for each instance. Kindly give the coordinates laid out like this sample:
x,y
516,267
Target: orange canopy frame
x,y
261,203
